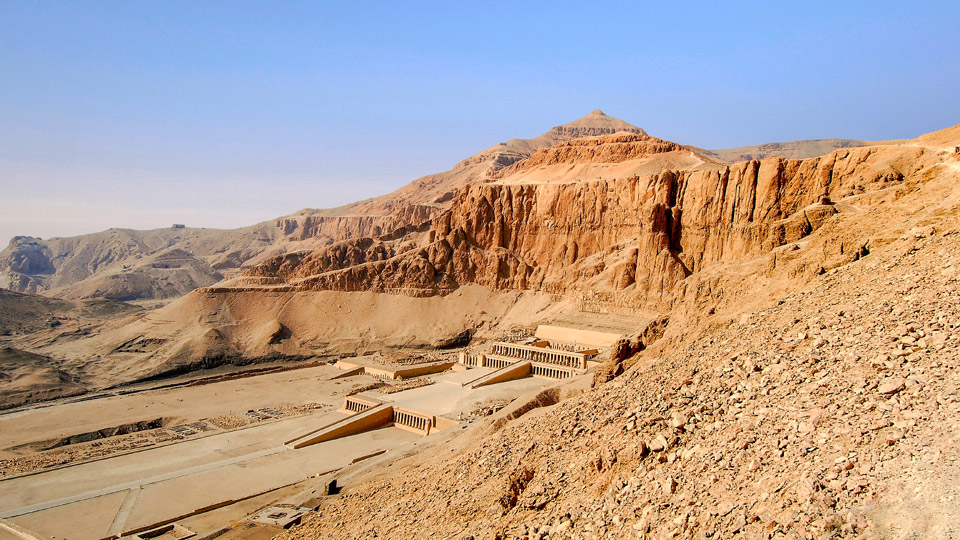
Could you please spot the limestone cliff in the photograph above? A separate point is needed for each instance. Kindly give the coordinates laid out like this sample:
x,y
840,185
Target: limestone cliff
x,y
627,241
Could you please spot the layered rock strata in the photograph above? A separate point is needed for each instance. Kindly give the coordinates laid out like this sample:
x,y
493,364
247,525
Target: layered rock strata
x,y
641,236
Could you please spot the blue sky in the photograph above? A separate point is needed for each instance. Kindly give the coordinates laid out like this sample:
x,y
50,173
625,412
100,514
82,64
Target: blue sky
x,y
222,114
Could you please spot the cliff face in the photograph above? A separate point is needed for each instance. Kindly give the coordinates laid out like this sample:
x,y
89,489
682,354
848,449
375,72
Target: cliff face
x,y
631,238
119,263
328,229
771,405
602,149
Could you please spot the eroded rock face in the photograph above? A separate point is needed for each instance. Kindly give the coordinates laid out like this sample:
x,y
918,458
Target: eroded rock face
x,y
615,148
639,236
27,255
27,261
328,229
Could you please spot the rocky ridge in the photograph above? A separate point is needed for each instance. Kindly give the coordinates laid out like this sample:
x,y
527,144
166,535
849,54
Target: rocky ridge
x,y
636,238
604,149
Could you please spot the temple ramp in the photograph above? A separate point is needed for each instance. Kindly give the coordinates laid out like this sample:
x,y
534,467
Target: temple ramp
x,y
350,372
465,378
371,418
517,370
15,531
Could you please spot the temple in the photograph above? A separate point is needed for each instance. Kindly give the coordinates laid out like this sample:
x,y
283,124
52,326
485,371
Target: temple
x,y
554,352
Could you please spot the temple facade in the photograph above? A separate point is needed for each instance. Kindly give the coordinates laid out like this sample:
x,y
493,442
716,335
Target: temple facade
x,y
558,362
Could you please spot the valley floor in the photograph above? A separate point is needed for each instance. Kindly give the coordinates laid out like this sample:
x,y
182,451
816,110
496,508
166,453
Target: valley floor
x,y
220,454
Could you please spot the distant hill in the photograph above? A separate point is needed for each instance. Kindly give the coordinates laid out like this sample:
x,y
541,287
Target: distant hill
x,y
22,313
793,150
125,264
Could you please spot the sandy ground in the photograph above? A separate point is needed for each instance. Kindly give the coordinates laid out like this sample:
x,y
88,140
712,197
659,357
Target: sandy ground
x,y
107,496
241,326
188,403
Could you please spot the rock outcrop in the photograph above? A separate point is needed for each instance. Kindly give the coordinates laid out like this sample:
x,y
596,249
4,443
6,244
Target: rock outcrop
x,y
830,413
603,149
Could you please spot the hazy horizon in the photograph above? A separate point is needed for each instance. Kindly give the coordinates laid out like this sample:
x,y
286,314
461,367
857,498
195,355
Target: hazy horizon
x,y
225,115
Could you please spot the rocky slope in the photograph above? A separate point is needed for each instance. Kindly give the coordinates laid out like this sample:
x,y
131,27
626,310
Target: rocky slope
x,y
26,377
811,390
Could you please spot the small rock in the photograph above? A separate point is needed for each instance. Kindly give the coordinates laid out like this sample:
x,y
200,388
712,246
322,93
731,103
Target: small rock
x,y
891,386
642,449
669,485
892,437
658,444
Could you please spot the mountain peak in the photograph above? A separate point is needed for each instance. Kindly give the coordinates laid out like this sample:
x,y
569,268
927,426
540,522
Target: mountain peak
x,y
598,123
